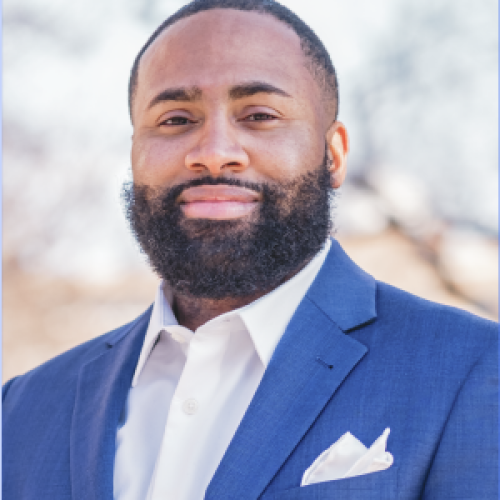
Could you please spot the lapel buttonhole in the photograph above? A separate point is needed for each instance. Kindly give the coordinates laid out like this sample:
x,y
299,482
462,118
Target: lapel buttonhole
x,y
324,363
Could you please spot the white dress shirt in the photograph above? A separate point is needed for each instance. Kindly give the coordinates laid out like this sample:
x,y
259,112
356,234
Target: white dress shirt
x,y
191,389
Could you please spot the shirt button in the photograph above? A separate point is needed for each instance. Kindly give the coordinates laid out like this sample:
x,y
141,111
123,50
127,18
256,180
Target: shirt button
x,y
190,406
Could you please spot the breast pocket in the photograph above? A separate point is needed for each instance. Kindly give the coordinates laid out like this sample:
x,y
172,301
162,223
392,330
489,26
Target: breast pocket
x,y
374,486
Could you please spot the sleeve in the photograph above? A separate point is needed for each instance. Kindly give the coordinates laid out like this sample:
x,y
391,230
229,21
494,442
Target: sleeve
x,y
465,465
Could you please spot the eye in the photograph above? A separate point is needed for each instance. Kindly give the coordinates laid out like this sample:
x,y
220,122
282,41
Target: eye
x,y
176,121
260,117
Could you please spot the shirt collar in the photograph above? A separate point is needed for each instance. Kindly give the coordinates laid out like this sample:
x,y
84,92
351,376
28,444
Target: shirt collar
x,y
161,316
265,318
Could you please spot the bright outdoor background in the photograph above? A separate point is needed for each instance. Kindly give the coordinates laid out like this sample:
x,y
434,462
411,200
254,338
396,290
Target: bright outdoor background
x,y
418,93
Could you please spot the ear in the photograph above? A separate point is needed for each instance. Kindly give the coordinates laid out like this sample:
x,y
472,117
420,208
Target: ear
x,y
338,146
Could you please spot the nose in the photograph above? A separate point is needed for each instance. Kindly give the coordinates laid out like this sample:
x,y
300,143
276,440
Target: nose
x,y
217,149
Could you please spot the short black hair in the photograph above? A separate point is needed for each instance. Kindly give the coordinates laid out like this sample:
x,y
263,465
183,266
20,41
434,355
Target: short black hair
x,y
321,63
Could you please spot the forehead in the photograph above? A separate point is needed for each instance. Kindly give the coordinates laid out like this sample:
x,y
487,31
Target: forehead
x,y
222,47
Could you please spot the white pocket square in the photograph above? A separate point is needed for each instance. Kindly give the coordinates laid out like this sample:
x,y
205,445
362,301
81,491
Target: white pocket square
x,y
348,457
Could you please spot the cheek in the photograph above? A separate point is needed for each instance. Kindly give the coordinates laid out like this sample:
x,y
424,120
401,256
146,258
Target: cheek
x,y
154,162
289,156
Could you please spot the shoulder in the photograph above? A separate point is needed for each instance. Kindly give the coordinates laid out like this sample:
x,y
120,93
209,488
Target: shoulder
x,y
61,372
397,306
431,334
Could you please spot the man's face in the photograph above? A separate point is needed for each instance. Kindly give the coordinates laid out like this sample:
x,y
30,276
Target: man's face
x,y
227,96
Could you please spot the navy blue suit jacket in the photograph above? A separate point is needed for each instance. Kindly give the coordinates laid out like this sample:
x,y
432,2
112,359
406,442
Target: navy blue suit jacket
x,y
358,356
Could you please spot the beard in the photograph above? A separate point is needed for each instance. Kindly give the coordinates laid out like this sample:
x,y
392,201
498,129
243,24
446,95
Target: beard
x,y
221,259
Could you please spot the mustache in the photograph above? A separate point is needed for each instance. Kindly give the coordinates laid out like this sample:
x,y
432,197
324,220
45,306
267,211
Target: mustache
x,y
165,198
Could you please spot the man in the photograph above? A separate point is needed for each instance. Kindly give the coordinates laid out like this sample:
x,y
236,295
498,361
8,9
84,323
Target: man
x,y
266,345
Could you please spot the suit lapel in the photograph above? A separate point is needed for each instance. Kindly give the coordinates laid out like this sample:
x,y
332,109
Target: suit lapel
x,y
298,381
101,393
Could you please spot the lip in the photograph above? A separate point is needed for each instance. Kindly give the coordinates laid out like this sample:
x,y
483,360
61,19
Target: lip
x,y
218,202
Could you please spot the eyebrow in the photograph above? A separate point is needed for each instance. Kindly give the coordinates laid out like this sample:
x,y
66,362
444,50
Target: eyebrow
x,y
252,88
182,94
191,94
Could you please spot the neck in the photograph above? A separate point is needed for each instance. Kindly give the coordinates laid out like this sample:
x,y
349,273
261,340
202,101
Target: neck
x,y
192,312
